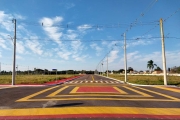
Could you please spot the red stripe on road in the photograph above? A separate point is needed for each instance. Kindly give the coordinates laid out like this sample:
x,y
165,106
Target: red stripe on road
x,y
93,116
97,89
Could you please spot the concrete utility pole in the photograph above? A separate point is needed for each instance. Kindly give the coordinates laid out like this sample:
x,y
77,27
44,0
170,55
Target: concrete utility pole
x,y
0,67
107,65
163,52
102,69
14,54
125,59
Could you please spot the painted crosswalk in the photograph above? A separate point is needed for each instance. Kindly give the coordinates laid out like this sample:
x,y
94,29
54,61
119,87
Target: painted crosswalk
x,y
92,81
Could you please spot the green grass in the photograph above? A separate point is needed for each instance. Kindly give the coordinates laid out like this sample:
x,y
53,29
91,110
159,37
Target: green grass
x,y
31,79
148,80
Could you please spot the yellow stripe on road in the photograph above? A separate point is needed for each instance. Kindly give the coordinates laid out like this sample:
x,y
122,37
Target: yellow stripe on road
x,y
92,77
168,88
74,90
95,98
119,90
35,94
89,110
58,91
139,92
167,96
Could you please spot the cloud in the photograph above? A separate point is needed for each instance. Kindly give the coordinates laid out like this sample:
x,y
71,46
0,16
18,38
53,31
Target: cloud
x,y
84,27
141,40
52,32
72,48
4,41
69,5
64,55
0,54
19,17
5,20
48,53
20,47
97,48
19,57
76,45
113,55
2,44
79,58
34,46
132,56
138,60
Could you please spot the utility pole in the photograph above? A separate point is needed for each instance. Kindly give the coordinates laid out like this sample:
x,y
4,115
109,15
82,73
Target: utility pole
x,y
0,67
163,52
102,69
107,65
56,75
125,59
14,54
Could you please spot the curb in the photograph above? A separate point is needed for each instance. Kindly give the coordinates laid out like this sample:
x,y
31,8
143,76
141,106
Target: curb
x,y
138,84
62,81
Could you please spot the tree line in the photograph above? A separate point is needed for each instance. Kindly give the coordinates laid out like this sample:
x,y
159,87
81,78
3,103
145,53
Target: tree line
x,y
46,72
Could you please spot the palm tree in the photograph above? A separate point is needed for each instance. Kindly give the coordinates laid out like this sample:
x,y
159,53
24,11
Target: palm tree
x,y
150,65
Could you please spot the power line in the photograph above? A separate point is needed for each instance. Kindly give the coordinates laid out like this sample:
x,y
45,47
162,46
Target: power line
x,y
141,15
164,21
171,15
86,26
70,40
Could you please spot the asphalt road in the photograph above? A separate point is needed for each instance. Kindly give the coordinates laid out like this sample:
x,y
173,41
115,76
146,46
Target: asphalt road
x,y
90,97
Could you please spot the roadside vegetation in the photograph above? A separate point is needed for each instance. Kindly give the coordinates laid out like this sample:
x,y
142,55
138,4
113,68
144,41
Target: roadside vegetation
x,y
32,79
148,79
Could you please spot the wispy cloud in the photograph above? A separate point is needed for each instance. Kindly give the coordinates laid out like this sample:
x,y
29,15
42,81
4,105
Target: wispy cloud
x,y
19,17
0,54
138,60
69,5
84,27
34,46
51,31
19,57
2,44
5,20
79,58
141,40
113,55
20,47
97,48
64,55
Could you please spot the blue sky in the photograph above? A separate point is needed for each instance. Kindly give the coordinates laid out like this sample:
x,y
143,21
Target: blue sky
x,y
77,34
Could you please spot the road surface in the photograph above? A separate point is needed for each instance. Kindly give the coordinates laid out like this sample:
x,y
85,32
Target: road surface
x,y
90,97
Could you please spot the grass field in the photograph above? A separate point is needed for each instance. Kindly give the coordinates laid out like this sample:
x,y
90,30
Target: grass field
x,y
148,80
31,79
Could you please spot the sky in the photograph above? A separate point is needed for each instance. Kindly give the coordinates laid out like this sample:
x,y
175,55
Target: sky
x,y
80,34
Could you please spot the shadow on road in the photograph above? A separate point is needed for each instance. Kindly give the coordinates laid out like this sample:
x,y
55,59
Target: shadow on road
x,y
66,105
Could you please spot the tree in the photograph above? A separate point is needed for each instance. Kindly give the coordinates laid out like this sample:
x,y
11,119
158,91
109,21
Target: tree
x,y
150,65
130,69
175,69
158,69
121,70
